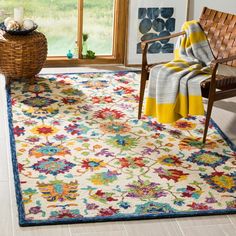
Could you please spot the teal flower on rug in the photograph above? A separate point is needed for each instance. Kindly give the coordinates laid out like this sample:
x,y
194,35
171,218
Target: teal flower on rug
x,y
49,149
150,208
93,164
28,194
53,166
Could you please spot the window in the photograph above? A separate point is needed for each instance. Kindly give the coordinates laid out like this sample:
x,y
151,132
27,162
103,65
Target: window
x,y
64,21
98,22
56,19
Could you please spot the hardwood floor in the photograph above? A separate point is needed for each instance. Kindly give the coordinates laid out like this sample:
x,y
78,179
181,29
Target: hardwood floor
x,y
224,113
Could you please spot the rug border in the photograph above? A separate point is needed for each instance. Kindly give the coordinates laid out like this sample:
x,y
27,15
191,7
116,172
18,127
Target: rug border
x,y
20,206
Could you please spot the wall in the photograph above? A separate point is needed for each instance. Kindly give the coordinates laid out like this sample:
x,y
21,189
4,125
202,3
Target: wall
x,y
196,6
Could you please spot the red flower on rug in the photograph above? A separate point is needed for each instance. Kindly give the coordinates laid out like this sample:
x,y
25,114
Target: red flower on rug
x,y
19,131
199,206
123,90
70,101
45,130
107,113
103,197
21,167
184,125
107,99
176,175
108,211
124,162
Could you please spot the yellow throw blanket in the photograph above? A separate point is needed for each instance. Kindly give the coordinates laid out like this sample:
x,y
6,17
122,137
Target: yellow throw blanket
x,y
174,88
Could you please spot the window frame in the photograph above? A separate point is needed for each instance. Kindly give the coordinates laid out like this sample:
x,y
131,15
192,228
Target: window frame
x,y
119,35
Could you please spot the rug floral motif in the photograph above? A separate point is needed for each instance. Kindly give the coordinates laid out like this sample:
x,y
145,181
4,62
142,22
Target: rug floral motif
x,y
82,155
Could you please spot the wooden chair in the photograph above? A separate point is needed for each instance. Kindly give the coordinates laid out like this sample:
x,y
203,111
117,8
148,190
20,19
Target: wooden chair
x,y
220,29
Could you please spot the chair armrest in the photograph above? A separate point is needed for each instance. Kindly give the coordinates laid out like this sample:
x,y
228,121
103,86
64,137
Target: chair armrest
x,y
145,43
215,65
223,60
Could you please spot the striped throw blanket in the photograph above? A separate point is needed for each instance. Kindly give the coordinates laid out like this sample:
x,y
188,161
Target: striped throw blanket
x,y
174,88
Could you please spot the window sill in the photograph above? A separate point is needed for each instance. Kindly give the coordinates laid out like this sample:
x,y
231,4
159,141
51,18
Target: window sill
x,y
65,62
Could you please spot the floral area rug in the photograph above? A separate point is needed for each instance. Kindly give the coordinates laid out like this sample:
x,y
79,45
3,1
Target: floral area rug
x,y
81,155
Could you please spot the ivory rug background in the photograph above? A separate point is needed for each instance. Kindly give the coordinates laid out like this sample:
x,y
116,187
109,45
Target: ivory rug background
x,y
80,155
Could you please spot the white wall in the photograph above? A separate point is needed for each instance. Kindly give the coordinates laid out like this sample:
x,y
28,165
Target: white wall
x,y
196,6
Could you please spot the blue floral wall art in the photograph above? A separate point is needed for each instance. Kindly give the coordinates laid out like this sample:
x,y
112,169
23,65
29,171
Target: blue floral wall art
x,y
153,23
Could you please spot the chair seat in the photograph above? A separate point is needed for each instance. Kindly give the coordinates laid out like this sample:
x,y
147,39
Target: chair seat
x,y
222,82
149,67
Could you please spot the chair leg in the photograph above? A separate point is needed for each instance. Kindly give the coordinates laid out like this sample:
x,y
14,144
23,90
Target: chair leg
x,y
211,99
144,78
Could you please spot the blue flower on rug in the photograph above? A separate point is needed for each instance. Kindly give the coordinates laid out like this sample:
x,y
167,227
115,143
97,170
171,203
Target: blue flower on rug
x,y
123,142
36,88
150,208
53,166
208,158
221,182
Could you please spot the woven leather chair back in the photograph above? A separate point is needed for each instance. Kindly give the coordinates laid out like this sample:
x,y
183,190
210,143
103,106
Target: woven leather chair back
x,y
220,29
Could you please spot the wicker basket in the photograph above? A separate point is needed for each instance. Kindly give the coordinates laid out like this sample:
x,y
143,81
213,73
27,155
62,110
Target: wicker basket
x,y
22,57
